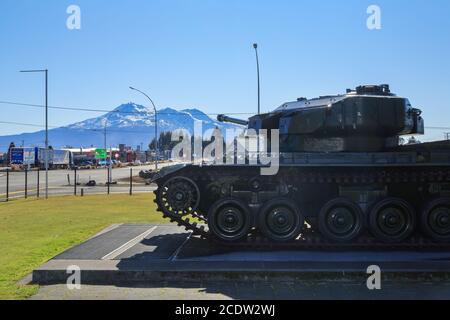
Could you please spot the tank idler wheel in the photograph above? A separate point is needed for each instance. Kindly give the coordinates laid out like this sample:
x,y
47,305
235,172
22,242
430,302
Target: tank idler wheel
x,y
392,220
340,220
179,196
436,220
229,220
280,220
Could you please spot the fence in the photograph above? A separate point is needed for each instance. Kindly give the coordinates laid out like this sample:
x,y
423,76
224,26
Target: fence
x,y
31,183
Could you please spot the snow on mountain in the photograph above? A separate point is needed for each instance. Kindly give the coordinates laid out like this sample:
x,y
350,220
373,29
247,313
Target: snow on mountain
x,y
132,115
126,115
129,123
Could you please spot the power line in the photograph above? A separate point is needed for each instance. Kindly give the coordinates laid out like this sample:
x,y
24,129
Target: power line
x,y
23,124
99,129
139,112
55,127
122,112
109,111
438,128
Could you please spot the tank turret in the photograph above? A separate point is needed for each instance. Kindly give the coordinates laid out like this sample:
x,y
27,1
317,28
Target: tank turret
x,y
367,119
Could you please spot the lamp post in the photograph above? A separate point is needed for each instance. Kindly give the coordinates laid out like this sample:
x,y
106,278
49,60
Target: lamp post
x,y
108,168
255,46
156,125
46,126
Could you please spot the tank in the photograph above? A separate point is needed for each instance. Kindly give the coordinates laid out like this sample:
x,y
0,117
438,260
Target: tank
x,y
344,179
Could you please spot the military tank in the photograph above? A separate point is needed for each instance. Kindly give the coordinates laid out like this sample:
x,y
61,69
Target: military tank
x,y
344,178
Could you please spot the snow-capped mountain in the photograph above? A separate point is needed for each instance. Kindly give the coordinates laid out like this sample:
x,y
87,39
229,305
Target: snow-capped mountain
x,y
130,123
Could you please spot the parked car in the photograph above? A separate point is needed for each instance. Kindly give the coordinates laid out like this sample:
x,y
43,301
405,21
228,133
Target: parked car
x,y
104,163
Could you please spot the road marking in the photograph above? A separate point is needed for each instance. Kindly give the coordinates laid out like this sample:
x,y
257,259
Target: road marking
x,y
117,252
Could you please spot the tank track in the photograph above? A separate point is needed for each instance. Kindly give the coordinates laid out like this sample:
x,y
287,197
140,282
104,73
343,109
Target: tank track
x,y
196,223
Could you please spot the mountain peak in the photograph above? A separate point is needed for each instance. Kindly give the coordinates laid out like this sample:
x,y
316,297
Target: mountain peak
x,y
131,107
129,123
168,110
197,114
194,111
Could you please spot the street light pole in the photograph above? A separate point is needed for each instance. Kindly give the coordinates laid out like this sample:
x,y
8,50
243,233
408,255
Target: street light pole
x,y
156,125
104,134
255,46
46,126
108,173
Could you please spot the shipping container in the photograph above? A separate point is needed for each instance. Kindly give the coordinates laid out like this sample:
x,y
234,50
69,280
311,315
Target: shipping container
x,y
35,157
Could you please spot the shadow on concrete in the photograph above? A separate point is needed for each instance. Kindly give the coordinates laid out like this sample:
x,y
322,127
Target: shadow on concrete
x,y
336,285
307,290
169,258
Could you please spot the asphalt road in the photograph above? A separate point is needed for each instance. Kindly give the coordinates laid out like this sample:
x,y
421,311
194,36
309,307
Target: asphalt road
x,y
61,182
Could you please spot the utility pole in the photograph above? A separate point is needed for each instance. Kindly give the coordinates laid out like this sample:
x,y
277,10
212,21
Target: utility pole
x,y
255,46
447,135
104,134
110,165
46,126
106,152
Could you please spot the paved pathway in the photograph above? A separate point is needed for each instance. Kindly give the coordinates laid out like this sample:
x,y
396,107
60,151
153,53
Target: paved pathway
x,y
250,290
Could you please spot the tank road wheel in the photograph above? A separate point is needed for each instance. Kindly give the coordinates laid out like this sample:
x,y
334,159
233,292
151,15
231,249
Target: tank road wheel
x,y
280,220
436,219
229,220
392,220
341,220
179,196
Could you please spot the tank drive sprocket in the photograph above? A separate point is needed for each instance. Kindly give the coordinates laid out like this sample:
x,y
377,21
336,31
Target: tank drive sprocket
x,y
178,197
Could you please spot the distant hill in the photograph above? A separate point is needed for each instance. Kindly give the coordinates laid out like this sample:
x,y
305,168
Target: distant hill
x,y
130,123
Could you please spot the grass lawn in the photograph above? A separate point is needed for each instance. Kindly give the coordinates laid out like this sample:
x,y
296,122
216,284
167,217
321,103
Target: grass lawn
x,y
33,231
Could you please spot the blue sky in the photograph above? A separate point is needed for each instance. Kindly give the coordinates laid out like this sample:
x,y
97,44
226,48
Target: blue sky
x,y
198,53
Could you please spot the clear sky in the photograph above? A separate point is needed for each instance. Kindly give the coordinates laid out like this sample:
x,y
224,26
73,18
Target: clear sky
x,y
198,53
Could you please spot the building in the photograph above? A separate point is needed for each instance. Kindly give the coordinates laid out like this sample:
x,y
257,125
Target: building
x,y
83,156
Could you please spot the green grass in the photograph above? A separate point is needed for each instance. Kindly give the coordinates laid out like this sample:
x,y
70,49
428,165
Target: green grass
x,y
33,231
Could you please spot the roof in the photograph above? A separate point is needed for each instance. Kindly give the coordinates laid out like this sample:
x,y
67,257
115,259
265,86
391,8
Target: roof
x,y
81,149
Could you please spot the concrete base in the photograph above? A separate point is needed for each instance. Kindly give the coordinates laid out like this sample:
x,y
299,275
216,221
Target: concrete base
x,y
144,253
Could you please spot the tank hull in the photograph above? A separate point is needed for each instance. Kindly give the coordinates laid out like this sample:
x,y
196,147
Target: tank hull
x,y
367,191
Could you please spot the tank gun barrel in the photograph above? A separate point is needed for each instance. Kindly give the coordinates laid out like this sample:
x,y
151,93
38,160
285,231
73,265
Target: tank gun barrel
x,y
224,118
